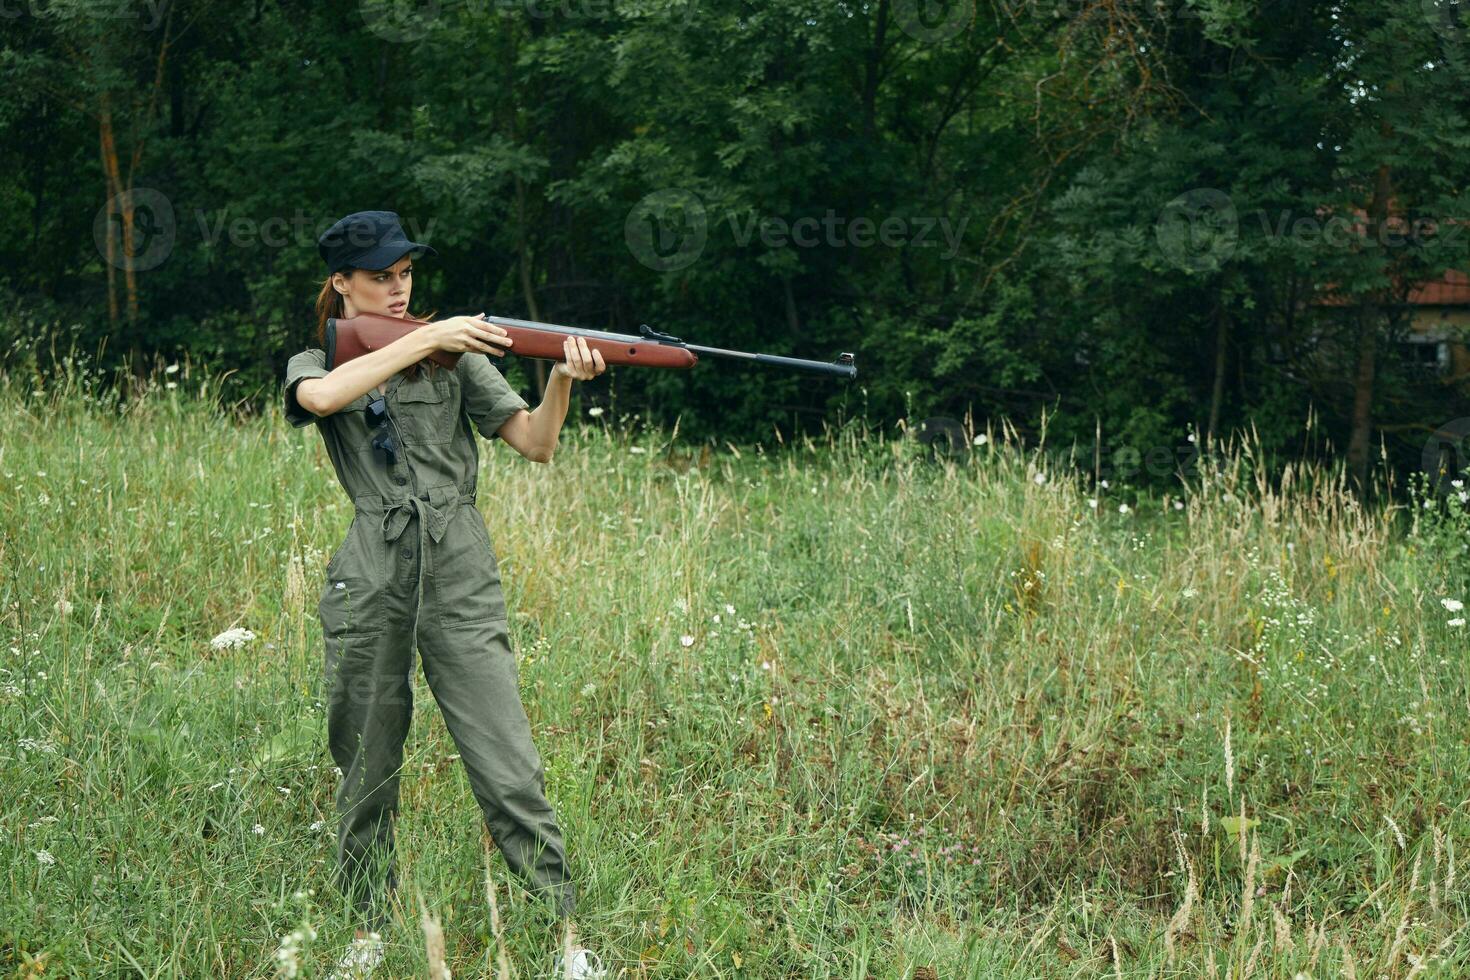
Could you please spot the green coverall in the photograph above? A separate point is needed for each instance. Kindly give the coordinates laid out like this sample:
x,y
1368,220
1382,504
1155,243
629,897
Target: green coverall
x,y
417,570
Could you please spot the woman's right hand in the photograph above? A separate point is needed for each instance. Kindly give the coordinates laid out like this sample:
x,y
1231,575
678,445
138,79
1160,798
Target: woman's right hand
x,y
469,333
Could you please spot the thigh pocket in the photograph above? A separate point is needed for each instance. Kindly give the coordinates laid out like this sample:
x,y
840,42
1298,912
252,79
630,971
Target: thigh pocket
x,y
352,597
466,574
334,564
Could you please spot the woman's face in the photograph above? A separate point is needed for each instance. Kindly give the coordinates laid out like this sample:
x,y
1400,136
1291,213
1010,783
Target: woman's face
x,y
386,291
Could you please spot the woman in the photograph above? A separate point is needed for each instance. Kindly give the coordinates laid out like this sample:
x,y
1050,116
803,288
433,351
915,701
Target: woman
x,y
418,571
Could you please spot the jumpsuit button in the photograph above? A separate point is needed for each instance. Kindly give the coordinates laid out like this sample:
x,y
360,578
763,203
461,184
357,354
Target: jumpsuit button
x,y
400,480
423,496
407,552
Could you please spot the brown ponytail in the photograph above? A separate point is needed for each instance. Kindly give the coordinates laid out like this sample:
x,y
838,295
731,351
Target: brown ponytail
x,y
329,304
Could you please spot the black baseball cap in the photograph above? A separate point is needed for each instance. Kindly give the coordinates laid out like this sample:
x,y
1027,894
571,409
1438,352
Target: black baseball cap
x,y
367,240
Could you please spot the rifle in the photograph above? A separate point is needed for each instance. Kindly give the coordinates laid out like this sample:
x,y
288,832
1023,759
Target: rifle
x,y
350,337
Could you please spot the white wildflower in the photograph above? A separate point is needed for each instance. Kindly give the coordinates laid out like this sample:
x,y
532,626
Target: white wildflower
x,y
1092,502
729,609
687,640
589,689
1453,605
171,369
636,450
44,857
1457,621
595,411
981,439
1123,508
63,607
232,638
257,829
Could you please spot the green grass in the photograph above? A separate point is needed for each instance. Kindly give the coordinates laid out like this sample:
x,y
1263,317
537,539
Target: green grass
x,y
958,720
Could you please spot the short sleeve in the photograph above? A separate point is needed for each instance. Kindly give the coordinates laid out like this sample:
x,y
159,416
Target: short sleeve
x,y
310,363
488,398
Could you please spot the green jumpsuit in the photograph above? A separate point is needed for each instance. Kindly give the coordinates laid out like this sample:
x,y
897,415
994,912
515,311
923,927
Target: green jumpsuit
x,y
417,570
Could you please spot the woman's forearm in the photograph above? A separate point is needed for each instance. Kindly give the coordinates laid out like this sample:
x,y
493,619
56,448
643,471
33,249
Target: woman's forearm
x,y
347,382
546,421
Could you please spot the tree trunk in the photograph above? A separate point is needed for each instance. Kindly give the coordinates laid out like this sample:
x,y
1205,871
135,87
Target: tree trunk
x,y
871,68
1217,395
109,171
793,320
1362,431
1360,443
528,291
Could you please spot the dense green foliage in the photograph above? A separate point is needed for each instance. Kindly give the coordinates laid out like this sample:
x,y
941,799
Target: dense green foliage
x,y
1114,215
832,711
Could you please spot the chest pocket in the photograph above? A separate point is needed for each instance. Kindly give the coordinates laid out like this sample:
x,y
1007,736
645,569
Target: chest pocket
x,y
426,411
351,425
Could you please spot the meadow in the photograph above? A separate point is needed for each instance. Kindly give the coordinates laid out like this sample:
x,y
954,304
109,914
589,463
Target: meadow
x,y
837,709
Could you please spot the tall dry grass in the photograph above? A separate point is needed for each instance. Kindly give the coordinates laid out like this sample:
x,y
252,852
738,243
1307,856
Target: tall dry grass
x,y
829,709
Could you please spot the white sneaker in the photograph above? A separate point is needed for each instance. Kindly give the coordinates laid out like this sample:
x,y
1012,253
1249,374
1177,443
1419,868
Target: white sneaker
x,y
361,958
584,965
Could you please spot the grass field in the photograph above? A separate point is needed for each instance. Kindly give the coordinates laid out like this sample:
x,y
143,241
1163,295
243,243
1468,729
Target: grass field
x,y
828,710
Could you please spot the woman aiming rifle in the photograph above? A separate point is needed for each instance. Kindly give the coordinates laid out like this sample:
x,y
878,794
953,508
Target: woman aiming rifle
x,y
417,571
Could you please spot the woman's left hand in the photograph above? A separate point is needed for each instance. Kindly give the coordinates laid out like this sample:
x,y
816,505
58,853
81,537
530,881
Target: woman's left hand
x,y
580,364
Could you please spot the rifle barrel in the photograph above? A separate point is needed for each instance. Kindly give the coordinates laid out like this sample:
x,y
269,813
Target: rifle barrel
x,y
842,367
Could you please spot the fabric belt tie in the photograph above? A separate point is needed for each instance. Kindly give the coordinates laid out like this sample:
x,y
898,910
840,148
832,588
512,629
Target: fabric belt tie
x,y
432,524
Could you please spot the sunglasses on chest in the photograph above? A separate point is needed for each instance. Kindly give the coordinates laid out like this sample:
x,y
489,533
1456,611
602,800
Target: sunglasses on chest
x,y
376,416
